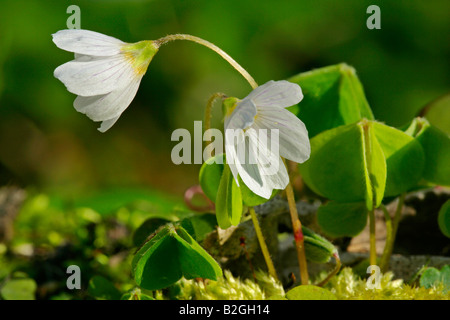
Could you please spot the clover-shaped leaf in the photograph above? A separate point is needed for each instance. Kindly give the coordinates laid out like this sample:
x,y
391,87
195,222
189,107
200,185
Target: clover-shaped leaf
x,y
342,219
336,94
438,113
436,146
199,226
171,254
405,159
228,201
364,161
147,228
210,175
347,165
356,166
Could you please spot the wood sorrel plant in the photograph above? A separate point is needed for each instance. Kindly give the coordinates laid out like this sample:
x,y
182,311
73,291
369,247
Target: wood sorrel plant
x,y
359,163
106,74
356,162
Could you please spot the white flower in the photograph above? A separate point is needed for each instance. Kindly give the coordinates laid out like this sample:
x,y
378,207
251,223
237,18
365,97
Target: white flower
x,y
105,74
257,119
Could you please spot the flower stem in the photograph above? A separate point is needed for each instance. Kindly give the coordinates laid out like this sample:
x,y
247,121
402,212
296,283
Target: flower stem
x,y
388,220
373,246
298,233
392,227
332,273
262,244
213,47
208,115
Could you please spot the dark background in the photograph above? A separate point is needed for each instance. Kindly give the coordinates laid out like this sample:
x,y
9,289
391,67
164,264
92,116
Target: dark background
x,y
45,143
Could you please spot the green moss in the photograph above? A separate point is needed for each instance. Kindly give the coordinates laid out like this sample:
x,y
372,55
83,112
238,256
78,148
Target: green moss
x,y
345,286
348,286
229,288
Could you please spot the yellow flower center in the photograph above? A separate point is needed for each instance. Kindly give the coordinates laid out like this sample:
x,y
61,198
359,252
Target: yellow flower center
x,y
140,54
229,104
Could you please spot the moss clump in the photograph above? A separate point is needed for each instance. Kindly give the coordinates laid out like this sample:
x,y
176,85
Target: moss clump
x,y
230,288
345,286
348,286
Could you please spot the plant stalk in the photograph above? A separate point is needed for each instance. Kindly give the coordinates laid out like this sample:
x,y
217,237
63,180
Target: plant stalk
x,y
298,234
213,47
208,115
333,272
388,220
373,246
262,244
392,233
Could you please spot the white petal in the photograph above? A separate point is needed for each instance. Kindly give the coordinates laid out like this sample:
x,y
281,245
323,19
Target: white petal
x,y
85,58
94,77
279,180
280,94
270,166
107,124
87,42
242,116
236,153
108,106
253,166
231,150
88,77
264,109
252,178
294,142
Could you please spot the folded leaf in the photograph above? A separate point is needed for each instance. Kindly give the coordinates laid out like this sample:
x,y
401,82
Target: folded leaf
x,y
156,264
317,248
438,113
228,201
436,146
405,159
347,165
194,261
169,255
210,175
333,96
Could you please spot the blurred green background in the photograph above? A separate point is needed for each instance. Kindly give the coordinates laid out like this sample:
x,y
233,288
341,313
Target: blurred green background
x,y
45,143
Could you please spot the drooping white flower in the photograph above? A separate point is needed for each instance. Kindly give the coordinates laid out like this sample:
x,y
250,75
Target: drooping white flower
x,y
105,73
255,121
